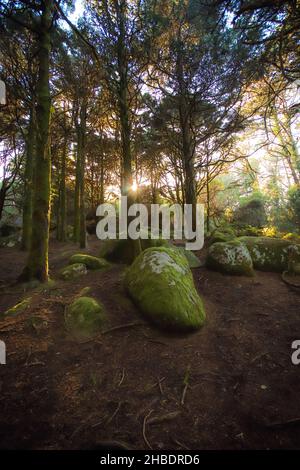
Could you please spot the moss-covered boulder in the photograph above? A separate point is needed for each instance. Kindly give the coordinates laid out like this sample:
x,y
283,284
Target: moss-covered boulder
x,y
73,271
268,254
161,284
222,234
122,251
231,258
84,317
91,262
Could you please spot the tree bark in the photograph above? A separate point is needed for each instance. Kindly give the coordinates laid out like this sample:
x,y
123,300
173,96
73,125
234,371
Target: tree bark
x,y
37,264
29,182
62,208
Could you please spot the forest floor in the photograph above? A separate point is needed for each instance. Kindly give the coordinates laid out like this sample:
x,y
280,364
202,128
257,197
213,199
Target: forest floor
x,y
132,384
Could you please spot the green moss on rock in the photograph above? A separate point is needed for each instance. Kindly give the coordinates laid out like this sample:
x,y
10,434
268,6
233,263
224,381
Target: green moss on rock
x,y
161,284
84,317
91,262
73,271
18,308
122,251
192,259
222,235
294,260
230,258
268,254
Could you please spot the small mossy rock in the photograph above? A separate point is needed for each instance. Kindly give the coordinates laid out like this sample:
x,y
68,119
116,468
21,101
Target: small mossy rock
x,y
230,258
161,284
18,308
10,241
192,259
268,254
73,271
84,317
122,251
91,262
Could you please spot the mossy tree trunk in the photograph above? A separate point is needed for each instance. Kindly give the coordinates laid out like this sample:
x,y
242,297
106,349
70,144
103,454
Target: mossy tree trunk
x,y
29,181
37,264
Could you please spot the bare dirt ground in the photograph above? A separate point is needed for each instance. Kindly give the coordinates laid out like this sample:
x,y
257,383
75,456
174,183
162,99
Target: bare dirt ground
x,y
132,384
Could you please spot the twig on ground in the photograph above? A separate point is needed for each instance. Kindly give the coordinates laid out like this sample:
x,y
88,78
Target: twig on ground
x,y
144,429
121,327
122,378
186,384
289,422
163,418
114,413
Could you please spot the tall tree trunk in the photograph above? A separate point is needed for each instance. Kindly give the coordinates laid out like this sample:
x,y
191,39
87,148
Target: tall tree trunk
x,y
82,231
29,182
187,141
62,219
76,230
125,125
37,264
3,191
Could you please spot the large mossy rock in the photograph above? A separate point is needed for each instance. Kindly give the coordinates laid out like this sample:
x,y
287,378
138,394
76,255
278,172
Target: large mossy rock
x,y
269,254
122,251
161,284
231,258
73,271
91,262
84,317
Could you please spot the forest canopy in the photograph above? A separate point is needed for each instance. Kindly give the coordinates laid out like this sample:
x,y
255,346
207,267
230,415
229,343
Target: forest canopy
x,y
174,102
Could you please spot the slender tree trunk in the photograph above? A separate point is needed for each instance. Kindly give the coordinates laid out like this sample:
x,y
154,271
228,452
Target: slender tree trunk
x,y
76,232
29,182
187,142
101,194
2,198
37,264
125,125
82,231
62,208
289,147
207,197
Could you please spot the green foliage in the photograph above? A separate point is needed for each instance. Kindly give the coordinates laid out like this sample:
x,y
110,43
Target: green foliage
x,y
294,205
251,211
